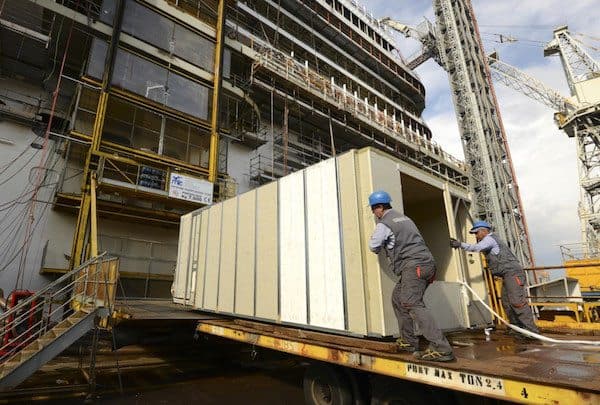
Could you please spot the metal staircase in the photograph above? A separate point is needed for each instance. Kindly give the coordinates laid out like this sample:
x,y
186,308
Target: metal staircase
x,y
40,327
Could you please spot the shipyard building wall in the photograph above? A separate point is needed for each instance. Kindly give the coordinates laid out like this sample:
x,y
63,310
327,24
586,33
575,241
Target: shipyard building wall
x,y
295,251
18,167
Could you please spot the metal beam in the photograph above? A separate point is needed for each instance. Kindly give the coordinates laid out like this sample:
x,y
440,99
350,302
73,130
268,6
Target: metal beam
x,y
25,31
527,85
94,218
80,231
98,27
214,119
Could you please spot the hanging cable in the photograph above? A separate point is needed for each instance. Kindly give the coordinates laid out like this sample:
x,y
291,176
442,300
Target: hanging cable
x,y
55,50
18,171
585,45
37,184
14,228
15,159
525,27
587,36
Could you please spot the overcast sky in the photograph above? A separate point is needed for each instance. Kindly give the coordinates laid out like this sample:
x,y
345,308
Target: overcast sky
x,y
543,156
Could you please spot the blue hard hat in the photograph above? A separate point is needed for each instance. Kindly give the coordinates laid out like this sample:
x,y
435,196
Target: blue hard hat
x,y
480,224
379,197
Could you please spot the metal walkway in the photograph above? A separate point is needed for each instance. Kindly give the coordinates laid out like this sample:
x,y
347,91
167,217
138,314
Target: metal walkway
x,y
41,326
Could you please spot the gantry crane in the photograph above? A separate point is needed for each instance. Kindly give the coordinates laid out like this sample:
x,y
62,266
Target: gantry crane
x,y
455,44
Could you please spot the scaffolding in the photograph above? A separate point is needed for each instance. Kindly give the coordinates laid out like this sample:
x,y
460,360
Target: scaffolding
x,y
395,132
237,94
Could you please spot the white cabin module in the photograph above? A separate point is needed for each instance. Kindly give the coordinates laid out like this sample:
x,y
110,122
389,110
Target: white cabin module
x,y
295,251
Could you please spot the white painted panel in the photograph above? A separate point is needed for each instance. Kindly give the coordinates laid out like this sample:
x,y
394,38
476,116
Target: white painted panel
x,y
373,273
325,284
266,283
183,259
292,269
202,240
193,264
213,251
356,312
246,247
228,256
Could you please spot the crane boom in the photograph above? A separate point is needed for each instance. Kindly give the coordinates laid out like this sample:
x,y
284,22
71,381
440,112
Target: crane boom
x,y
528,85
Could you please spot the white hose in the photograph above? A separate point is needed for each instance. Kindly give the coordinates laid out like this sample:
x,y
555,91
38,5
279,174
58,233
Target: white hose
x,y
527,332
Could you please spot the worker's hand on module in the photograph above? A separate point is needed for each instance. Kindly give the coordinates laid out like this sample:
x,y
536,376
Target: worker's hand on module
x,y
454,243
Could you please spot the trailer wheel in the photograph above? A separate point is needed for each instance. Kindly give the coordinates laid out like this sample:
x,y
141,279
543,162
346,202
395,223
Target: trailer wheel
x,y
326,385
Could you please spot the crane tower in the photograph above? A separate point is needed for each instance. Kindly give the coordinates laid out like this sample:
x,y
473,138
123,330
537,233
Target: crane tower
x,y
455,44
583,77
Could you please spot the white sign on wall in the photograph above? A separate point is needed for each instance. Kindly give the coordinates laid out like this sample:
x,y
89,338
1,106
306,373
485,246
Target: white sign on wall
x,y
190,188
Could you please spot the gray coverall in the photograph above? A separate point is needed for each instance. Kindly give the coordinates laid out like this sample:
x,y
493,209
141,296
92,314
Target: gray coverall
x,y
413,262
514,297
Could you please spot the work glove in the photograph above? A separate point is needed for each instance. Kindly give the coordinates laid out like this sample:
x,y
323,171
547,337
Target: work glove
x,y
454,243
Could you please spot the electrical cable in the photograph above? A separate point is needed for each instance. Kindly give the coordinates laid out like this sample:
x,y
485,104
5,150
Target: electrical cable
x,y
13,203
586,45
23,246
9,178
525,27
512,39
54,60
17,223
525,331
27,147
14,227
593,38
11,230
29,232
8,205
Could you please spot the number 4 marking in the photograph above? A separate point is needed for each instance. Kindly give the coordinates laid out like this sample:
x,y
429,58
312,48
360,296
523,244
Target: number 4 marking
x,y
524,393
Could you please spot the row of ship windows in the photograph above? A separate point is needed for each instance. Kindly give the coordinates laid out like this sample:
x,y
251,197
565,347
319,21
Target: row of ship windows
x,y
363,26
350,16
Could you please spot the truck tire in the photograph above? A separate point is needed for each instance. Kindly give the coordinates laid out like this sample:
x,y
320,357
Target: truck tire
x,y
326,385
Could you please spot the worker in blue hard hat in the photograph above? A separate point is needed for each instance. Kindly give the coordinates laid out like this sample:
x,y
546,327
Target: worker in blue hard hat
x,y
503,263
412,261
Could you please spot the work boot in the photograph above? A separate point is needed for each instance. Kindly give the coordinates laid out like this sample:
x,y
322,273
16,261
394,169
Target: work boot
x,y
434,355
405,347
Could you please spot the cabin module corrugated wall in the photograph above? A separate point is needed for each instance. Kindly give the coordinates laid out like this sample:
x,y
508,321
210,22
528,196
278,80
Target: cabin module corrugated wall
x,y
296,251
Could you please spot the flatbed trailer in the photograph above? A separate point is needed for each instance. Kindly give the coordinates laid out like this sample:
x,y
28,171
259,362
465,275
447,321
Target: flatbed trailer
x,y
494,367
497,366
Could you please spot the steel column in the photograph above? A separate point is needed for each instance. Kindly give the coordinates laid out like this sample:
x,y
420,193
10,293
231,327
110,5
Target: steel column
x,y
214,118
